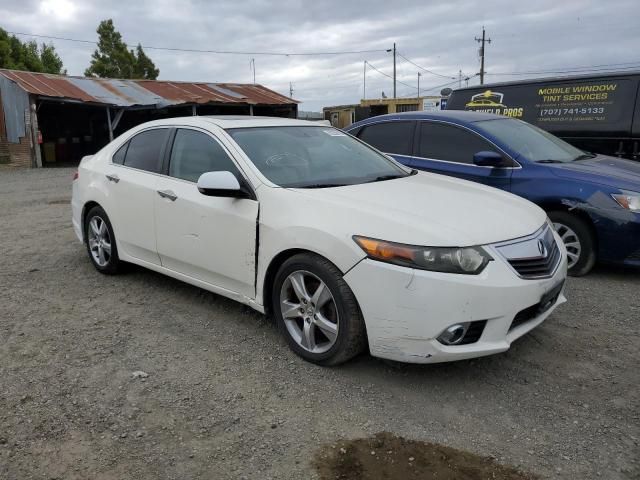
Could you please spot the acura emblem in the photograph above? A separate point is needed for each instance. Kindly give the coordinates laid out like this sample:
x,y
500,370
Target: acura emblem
x,y
542,248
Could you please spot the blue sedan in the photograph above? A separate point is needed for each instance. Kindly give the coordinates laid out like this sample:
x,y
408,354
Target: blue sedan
x,y
593,200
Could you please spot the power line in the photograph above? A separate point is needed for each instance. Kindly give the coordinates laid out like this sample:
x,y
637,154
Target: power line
x,y
422,68
224,52
389,76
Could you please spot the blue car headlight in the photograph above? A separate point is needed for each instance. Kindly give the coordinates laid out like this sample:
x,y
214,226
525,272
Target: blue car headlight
x,y
628,200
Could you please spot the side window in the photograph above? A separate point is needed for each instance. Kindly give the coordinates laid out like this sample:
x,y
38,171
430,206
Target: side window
x,y
389,137
118,157
195,153
447,142
145,150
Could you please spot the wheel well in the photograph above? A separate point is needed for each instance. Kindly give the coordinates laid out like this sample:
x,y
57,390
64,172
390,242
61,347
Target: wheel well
x,y
270,276
579,213
87,207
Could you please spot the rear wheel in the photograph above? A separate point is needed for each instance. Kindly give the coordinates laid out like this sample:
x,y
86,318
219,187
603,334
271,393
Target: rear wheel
x,y
317,311
578,240
101,242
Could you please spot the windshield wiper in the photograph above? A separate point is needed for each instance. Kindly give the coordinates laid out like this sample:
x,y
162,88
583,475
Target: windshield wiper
x,y
393,176
549,160
322,185
584,156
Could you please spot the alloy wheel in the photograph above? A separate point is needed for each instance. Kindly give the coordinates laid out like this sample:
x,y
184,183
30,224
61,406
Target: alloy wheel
x,y
99,241
571,242
309,311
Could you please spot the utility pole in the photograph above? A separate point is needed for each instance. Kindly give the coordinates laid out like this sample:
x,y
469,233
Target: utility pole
x,y
252,64
290,90
459,78
394,69
364,81
482,41
419,75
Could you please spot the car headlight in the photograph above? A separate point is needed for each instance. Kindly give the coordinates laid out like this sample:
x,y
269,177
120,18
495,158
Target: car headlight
x,y
465,260
628,200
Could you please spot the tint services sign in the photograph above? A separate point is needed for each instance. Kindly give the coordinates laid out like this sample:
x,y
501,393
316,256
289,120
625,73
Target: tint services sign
x,y
558,105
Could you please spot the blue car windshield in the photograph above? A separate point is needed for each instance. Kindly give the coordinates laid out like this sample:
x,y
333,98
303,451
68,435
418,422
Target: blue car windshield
x,y
530,142
313,157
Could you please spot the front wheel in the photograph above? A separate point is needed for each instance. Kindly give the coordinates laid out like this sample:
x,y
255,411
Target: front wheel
x,y
578,240
317,311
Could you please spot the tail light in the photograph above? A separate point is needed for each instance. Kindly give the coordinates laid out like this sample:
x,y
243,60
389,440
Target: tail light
x,y
75,175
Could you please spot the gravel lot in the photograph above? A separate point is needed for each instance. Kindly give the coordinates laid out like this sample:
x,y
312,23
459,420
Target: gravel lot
x,y
225,398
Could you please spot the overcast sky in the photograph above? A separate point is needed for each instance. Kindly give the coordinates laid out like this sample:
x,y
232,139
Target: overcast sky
x,y
437,35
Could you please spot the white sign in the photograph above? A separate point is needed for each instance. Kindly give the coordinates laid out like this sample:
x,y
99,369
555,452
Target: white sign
x,y
431,105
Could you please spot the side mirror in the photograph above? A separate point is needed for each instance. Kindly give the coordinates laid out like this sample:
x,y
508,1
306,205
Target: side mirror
x,y
220,184
488,159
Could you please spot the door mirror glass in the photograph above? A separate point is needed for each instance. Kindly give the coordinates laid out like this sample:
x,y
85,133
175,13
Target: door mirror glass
x,y
488,159
219,184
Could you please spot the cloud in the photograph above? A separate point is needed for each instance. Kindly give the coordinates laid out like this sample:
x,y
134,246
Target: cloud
x,y
439,35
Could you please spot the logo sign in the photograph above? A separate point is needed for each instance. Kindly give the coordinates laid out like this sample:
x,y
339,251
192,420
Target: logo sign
x,y
542,248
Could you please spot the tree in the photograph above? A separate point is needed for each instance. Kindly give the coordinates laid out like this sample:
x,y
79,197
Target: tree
x,y
17,55
112,58
144,67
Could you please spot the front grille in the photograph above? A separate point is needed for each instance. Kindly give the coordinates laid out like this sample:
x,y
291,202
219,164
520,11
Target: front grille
x,y
523,316
537,267
474,332
535,256
546,302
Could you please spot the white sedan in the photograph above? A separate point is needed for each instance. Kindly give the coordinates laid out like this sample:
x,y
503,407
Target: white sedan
x,y
346,248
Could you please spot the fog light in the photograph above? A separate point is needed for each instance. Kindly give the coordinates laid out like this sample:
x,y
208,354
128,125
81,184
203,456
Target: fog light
x,y
454,334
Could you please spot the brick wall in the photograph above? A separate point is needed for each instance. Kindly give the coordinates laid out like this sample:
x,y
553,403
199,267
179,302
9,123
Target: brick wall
x,y
17,154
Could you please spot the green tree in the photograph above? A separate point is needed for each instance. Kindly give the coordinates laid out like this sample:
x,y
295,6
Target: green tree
x,y
51,61
112,58
18,55
144,67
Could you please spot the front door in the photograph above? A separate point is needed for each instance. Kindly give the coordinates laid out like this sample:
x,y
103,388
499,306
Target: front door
x,y
449,149
211,239
393,137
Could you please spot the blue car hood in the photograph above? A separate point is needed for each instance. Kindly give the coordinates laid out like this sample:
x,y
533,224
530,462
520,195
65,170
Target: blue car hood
x,y
604,170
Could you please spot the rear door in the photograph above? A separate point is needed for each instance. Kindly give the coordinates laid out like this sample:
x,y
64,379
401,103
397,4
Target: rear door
x,y
394,137
132,178
211,239
449,149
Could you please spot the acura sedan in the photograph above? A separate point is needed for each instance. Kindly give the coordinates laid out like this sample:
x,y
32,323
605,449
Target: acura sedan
x,y
342,245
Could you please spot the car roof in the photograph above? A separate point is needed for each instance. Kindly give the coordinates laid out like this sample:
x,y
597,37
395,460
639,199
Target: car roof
x,y
458,116
233,121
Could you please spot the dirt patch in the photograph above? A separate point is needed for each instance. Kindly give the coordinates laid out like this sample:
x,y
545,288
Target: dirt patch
x,y
386,456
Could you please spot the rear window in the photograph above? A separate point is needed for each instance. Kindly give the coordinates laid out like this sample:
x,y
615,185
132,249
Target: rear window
x,y
145,150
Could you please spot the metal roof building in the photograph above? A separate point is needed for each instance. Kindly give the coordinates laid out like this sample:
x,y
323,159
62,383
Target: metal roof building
x,y
52,119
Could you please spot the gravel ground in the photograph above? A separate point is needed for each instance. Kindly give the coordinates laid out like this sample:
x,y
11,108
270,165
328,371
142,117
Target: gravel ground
x,y
225,398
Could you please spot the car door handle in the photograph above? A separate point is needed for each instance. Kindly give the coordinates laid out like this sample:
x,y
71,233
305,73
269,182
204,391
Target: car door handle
x,y
168,194
112,178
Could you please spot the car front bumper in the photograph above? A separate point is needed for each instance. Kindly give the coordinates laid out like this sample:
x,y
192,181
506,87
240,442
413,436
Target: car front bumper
x,y
405,310
618,236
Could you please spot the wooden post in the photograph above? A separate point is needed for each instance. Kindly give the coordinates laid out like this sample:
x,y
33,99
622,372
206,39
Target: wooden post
x,y
34,133
109,124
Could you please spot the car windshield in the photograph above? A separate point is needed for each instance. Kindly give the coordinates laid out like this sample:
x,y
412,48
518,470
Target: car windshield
x,y
531,142
313,157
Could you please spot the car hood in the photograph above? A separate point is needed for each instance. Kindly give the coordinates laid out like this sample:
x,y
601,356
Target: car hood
x,y
602,169
421,209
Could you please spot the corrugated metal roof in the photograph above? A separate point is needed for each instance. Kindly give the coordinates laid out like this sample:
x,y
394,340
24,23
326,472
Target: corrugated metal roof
x,y
128,93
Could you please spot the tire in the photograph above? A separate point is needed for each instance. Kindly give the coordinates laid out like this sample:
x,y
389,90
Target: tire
x,y
333,305
101,242
578,239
